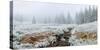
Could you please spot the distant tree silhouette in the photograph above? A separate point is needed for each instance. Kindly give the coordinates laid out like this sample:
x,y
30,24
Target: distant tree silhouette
x,y
33,20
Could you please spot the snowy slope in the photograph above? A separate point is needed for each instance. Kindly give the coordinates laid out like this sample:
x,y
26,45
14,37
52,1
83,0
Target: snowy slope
x,y
85,34
88,27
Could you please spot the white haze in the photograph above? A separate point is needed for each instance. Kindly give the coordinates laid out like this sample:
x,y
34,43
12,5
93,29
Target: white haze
x,y
41,11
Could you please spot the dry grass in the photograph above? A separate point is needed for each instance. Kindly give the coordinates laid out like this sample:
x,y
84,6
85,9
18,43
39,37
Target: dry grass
x,y
86,35
33,38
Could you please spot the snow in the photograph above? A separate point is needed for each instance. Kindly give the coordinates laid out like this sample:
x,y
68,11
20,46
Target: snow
x,y
84,29
44,43
89,27
21,30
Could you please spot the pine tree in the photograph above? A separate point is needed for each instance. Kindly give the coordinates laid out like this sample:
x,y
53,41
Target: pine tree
x,y
33,20
68,19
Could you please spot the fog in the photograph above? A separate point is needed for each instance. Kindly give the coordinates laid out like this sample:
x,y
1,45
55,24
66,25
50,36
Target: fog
x,y
41,11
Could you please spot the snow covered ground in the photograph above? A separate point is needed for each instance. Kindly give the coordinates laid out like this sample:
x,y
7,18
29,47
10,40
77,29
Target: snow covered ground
x,y
88,27
20,30
85,34
23,29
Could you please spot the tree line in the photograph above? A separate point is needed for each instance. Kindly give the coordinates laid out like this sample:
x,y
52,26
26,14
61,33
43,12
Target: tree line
x,y
88,15
59,19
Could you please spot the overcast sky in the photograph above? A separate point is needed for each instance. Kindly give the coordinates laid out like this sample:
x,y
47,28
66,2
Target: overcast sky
x,y
41,10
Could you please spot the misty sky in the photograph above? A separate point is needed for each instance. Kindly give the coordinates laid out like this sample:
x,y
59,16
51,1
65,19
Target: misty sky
x,y
42,10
